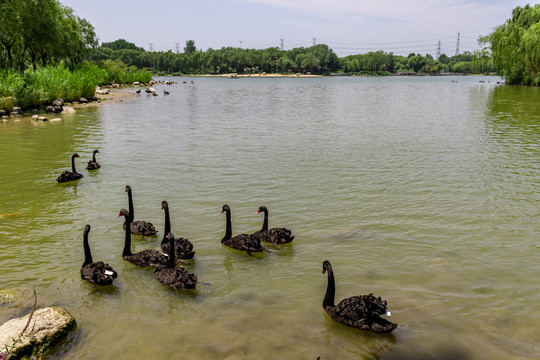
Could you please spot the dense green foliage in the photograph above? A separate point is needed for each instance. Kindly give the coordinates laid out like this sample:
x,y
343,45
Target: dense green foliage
x,y
42,50
317,59
41,86
41,32
516,46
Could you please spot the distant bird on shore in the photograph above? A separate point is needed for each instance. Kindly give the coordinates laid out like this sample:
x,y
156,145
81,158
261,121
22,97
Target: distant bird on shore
x,y
154,94
272,235
72,175
165,92
93,164
97,273
362,311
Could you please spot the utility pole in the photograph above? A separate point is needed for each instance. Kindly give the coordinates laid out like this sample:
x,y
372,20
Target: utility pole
x,y
282,40
438,50
177,47
151,45
457,45
314,41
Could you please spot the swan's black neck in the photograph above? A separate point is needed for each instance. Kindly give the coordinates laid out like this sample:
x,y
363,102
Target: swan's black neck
x,y
73,164
130,204
127,243
265,222
167,224
330,290
94,156
170,264
228,228
87,253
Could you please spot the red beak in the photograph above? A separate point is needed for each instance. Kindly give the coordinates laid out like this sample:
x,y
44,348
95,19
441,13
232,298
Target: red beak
x,y
119,214
258,211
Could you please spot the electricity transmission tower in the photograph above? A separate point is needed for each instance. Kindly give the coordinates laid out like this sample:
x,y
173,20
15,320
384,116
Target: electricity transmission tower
x,y
438,50
457,45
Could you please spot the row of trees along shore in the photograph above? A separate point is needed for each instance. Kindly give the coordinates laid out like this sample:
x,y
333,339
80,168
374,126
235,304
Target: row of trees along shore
x,y
318,59
48,52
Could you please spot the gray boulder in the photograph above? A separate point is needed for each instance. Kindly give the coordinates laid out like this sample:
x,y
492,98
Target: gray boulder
x,y
46,329
58,102
83,100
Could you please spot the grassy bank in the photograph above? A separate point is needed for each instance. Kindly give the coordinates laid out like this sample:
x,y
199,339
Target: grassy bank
x,y
36,88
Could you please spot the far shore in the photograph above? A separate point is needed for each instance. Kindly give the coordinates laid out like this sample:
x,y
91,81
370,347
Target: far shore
x,y
262,75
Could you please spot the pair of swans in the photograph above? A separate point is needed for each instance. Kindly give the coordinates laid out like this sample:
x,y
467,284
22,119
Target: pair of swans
x,y
253,242
73,175
183,247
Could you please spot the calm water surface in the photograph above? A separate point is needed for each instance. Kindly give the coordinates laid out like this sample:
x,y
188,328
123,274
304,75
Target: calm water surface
x,y
421,190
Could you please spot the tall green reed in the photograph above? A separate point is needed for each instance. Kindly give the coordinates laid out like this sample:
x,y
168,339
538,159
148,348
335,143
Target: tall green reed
x,y
36,88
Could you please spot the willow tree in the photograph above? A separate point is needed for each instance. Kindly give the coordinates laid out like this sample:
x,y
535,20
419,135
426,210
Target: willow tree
x,y
515,46
42,32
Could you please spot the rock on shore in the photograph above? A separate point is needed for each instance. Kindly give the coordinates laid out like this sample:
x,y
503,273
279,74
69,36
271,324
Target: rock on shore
x,y
47,327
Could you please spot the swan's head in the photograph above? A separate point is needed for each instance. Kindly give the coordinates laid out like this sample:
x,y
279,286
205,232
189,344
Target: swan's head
x,y
86,229
170,236
164,205
378,306
262,208
225,208
96,151
326,266
75,155
123,212
128,188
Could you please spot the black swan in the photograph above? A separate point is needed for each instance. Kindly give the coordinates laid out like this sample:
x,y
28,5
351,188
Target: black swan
x,y
165,92
183,248
150,258
273,235
138,227
70,175
93,164
362,311
177,278
245,242
97,273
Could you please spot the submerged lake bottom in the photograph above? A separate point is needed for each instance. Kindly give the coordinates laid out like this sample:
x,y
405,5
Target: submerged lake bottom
x,y
423,191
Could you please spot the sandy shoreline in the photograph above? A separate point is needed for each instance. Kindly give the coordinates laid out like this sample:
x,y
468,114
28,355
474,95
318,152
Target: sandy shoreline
x,y
114,96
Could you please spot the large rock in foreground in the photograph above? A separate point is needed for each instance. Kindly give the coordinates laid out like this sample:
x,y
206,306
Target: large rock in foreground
x,y
46,329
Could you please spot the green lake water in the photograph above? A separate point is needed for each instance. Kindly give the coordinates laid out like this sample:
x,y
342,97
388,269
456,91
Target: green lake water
x,y
424,191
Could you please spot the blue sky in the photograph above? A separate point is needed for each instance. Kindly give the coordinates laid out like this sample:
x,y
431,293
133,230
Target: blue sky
x,y
347,26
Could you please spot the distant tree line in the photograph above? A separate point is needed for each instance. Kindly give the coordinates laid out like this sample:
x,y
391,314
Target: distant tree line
x,y
317,59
